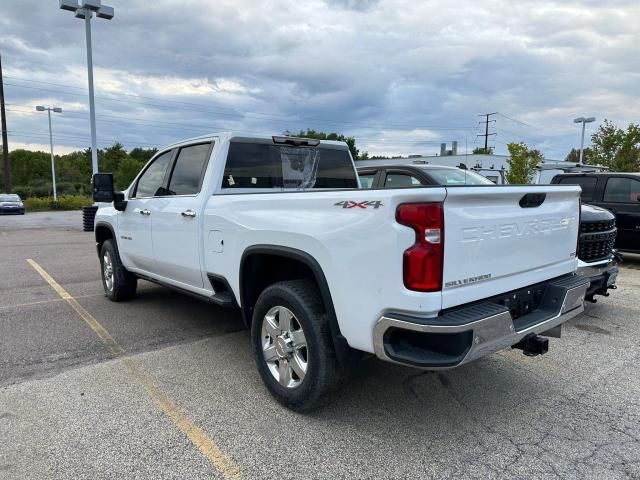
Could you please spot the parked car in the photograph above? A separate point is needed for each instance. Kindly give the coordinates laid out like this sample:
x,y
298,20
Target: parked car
x,y
11,204
596,258
432,278
617,192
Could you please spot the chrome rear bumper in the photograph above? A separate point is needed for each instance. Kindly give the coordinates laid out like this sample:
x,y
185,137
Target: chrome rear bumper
x,y
471,332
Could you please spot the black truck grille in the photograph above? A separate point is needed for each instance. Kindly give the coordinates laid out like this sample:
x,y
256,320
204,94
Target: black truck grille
x,y
596,240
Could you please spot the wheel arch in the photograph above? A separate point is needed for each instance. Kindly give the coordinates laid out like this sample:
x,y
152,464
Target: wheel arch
x,y
297,264
104,231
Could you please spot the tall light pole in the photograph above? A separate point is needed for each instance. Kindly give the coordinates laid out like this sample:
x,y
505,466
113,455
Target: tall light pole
x,y
41,108
583,121
85,10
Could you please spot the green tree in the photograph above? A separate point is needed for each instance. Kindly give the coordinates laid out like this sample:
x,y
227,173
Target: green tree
x,y
350,141
111,158
31,171
143,154
574,155
616,148
128,169
522,163
482,150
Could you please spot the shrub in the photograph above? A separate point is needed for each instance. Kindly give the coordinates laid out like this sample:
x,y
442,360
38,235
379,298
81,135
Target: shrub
x,y
64,202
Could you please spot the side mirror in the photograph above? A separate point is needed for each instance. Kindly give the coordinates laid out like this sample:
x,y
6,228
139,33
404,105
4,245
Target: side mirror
x,y
102,187
119,203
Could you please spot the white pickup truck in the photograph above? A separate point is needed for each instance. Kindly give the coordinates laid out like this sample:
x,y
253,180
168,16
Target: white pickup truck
x,y
322,270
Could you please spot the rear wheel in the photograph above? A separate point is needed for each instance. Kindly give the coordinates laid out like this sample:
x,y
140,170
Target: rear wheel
x,y
292,344
119,284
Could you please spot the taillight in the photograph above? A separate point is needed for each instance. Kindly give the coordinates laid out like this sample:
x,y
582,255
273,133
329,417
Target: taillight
x,y
422,263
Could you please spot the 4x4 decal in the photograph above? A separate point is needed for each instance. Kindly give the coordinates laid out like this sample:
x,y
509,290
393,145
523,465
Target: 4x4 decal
x,y
365,204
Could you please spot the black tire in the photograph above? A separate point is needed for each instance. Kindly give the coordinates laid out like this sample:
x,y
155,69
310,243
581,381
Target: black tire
x,y
301,297
124,283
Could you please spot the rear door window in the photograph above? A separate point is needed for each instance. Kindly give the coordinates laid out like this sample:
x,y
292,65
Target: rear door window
x,y
588,185
188,170
266,166
399,180
366,179
622,190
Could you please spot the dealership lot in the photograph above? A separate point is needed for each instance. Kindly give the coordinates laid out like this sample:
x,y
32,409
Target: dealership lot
x,y
165,387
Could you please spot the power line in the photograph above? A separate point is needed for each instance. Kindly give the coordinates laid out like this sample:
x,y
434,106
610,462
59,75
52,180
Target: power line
x,y
515,120
16,133
237,113
206,129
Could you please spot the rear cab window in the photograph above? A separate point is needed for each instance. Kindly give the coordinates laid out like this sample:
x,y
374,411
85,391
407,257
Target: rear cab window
x,y
588,185
256,165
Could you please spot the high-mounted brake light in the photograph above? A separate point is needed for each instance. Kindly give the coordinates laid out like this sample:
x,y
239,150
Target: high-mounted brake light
x,y
296,141
422,263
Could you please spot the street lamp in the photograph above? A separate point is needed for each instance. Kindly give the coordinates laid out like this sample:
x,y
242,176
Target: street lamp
x,y
85,10
40,108
583,121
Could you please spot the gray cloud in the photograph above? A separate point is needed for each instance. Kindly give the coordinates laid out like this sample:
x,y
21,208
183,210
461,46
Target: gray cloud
x,y
399,75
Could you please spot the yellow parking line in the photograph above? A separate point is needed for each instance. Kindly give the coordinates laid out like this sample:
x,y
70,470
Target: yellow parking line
x,y
223,463
86,316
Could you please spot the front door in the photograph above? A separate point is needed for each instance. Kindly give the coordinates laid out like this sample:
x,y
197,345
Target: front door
x,y
622,197
177,221
134,224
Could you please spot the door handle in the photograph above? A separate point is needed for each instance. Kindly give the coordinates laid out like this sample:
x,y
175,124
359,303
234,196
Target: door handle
x,y
145,212
188,213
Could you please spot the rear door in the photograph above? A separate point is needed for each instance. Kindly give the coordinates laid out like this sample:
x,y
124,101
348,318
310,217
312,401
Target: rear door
x,y
176,219
622,197
134,224
502,238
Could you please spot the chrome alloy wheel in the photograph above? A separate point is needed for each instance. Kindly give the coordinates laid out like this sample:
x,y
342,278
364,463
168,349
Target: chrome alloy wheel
x,y
107,270
284,347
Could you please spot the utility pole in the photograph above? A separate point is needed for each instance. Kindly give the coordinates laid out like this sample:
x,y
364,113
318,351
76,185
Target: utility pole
x,y
5,141
486,129
41,108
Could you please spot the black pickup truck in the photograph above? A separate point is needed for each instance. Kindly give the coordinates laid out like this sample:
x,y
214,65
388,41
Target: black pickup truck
x,y
617,192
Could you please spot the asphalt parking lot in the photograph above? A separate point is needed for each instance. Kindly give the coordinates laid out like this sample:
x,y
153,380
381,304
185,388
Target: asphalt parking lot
x,y
164,386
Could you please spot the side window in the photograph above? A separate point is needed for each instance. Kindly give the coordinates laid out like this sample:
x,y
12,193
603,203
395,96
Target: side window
x,y
335,170
588,185
150,183
397,180
366,179
252,165
188,171
622,190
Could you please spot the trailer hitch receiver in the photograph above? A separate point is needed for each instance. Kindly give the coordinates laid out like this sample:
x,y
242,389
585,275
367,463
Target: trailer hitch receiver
x,y
533,345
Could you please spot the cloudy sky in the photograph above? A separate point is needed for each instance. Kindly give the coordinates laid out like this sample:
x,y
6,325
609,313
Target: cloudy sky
x,y
401,76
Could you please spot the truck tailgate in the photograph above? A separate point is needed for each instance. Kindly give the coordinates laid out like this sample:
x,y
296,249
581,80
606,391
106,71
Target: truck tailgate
x,y
498,240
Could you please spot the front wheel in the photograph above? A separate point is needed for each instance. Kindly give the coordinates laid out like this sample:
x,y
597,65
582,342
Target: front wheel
x,y
292,344
119,284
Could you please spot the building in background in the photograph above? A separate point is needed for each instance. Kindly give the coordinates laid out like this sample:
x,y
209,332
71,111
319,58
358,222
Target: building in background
x,y
493,167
